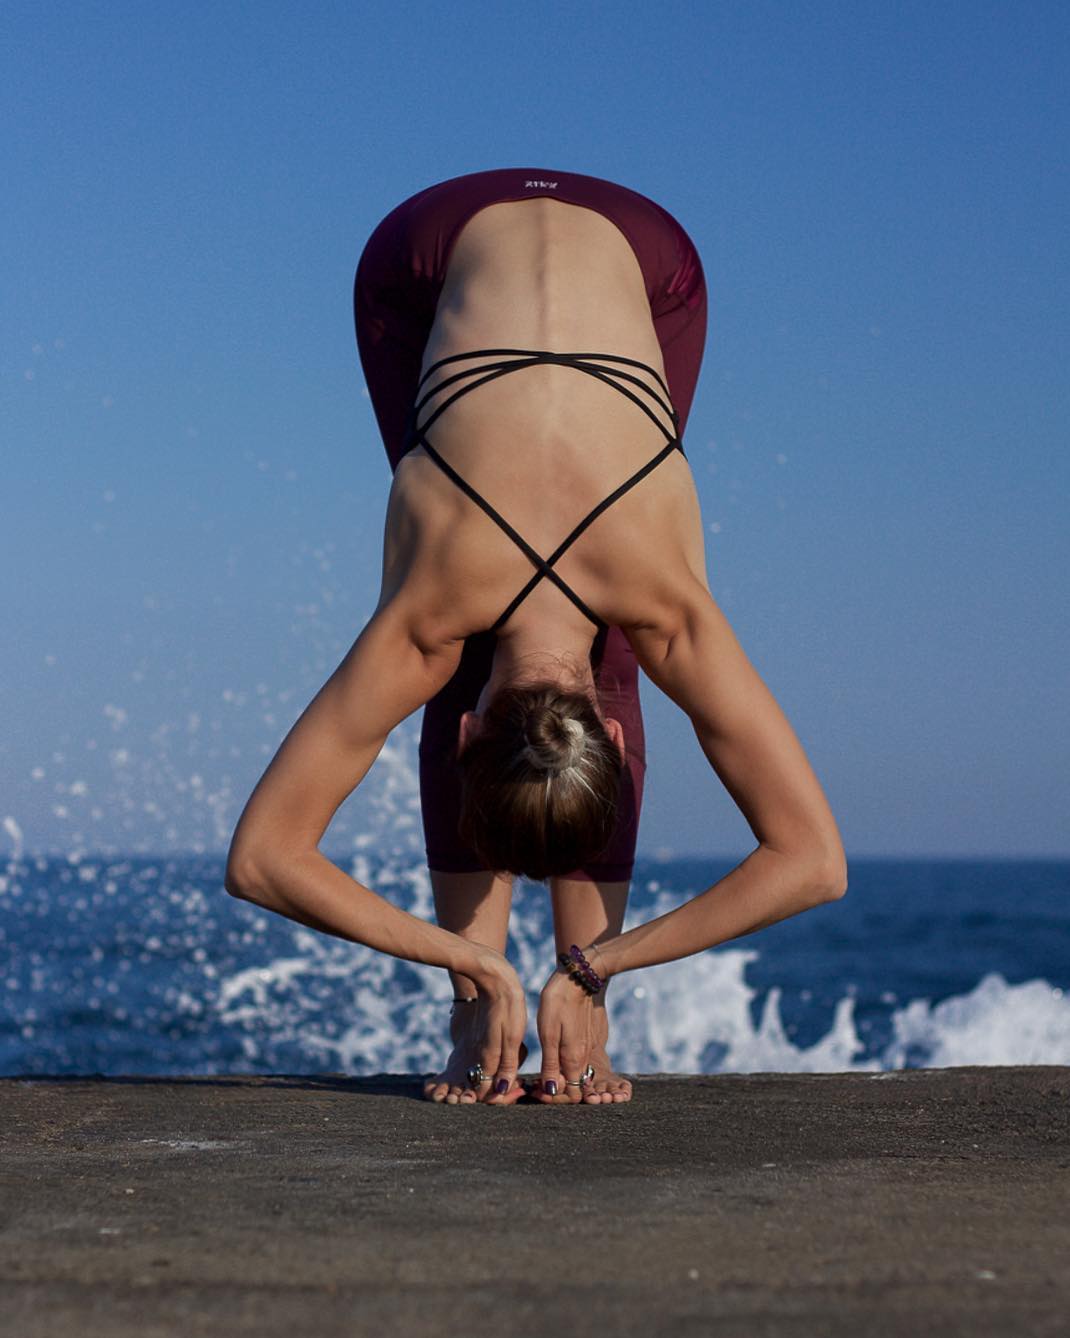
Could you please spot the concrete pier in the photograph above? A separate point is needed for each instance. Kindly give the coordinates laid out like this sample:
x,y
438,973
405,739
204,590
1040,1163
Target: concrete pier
x,y
925,1202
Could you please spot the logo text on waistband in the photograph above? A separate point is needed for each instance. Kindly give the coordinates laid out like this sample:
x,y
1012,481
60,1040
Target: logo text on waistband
x,y
540,185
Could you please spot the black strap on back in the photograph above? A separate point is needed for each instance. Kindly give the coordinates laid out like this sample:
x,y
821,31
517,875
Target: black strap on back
x,y
522,357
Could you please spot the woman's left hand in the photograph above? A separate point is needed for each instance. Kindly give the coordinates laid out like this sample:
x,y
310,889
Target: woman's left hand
x,y
566,1013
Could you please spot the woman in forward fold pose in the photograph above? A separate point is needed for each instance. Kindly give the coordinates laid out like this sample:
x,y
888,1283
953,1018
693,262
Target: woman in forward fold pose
x,y
543,540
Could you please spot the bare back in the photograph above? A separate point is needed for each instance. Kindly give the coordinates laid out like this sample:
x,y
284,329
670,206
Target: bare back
x,y
546,444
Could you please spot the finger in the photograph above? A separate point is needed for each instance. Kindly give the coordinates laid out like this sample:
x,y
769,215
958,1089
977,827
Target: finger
x,y
573,1066
578,1077
573,1087
551,1082
552,1091
490,1057
510,1098
506,1088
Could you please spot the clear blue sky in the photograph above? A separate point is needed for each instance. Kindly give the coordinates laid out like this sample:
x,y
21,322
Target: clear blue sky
x,y
192,478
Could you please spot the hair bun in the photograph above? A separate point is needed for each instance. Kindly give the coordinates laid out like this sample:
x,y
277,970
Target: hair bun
x,y
555,741
573,728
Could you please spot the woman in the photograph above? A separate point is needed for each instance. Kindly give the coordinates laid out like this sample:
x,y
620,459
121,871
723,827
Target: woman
x,y
543,539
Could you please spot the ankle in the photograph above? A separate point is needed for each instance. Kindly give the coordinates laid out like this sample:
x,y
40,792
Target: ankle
x,y
463,1022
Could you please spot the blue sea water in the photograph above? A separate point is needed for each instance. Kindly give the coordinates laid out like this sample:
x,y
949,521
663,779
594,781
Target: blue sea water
x,y
115,965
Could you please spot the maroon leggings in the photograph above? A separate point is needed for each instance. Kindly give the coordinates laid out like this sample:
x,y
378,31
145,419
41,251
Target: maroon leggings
x,y
398,281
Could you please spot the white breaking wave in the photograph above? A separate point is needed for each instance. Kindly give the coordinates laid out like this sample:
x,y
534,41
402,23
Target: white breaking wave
x,y
672,1017
995,1023
690,1016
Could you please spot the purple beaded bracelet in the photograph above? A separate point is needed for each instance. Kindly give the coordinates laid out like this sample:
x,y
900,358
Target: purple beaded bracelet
x,y
580,969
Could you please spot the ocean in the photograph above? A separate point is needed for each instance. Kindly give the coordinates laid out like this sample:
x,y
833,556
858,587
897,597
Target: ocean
x,y
122,965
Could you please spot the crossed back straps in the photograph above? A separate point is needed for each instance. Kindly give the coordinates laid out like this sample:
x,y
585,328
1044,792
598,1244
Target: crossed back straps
x,y
520,357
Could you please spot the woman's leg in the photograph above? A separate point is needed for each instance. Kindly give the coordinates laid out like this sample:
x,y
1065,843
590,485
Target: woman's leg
x,y
476,906
586,912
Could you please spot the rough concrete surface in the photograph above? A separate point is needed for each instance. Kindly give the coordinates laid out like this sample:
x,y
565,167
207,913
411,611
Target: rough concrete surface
x,y
908,1203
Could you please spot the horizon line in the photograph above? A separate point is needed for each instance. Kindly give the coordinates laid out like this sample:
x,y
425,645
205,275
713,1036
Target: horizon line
x,y
645,858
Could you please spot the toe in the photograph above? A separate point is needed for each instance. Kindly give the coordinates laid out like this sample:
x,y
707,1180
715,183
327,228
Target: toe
x,y
556,1099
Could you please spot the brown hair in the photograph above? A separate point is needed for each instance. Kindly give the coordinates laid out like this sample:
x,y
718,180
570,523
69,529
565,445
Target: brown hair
x,y
539,782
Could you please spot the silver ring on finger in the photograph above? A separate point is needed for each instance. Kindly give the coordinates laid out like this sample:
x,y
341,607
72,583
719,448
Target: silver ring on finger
x,y
476,1075
583,1080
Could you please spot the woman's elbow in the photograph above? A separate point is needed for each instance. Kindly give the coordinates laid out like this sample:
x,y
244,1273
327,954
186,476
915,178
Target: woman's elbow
x,y
242,878
830,875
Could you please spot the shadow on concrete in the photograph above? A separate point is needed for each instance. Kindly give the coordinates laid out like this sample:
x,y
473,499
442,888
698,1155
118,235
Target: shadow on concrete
x,y
382,1084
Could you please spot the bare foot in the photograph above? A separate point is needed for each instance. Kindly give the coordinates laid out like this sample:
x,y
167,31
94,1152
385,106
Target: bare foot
x,y
451,1085
606,1088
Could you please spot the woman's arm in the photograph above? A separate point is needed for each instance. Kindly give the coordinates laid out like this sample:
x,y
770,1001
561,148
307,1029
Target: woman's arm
x,y
799,862
274,861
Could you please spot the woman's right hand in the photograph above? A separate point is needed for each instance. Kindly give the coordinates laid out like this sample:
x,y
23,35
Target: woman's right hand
x,y
503,1005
